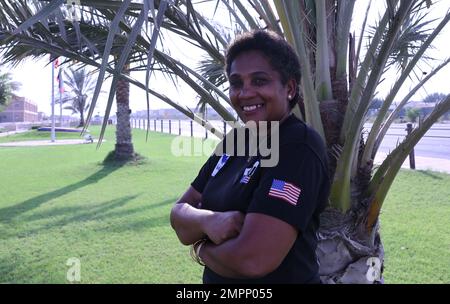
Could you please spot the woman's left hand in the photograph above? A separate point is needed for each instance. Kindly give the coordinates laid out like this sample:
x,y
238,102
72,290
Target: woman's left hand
x,y
222,226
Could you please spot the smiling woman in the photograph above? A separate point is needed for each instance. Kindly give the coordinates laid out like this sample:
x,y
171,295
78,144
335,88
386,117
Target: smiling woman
x,y
256,90
251,223
260,65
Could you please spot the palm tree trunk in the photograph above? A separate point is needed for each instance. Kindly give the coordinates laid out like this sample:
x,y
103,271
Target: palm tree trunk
x,y
347,255
81,124
124,146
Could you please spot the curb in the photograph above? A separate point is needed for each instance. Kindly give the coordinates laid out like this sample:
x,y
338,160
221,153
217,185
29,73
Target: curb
x,y
35,143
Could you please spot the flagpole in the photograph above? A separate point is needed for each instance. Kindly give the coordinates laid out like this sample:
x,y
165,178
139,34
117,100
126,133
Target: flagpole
x,y
60,93
53,102
60,110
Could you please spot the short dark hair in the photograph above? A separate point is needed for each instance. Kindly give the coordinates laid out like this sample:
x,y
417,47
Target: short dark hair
x,y
281,55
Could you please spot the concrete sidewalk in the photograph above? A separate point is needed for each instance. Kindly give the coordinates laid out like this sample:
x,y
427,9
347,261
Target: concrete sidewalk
x,y
47,142
422,163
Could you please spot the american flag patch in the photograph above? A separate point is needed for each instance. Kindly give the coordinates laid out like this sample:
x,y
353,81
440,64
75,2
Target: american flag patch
x,y
286,191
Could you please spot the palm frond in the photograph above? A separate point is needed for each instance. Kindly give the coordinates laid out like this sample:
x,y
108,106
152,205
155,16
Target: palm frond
x,y
384,176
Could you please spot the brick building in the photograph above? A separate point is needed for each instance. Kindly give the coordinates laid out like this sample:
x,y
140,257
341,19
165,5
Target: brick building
x,y
20,110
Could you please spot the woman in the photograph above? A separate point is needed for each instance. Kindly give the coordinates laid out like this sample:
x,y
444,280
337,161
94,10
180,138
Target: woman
x,y
254,224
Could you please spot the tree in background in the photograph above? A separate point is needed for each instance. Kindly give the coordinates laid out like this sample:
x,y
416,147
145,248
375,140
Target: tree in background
x,y
81,84
413,114
434,98
340,79
376,104
7,89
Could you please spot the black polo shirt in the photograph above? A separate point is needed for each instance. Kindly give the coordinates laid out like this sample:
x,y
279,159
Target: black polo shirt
x,y
295,190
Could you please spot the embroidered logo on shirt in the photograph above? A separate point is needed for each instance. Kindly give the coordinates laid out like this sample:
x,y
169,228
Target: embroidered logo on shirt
x,y
285,191
248,172
223,159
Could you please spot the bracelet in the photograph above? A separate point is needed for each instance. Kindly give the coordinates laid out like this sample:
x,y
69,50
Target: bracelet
x,y
195,251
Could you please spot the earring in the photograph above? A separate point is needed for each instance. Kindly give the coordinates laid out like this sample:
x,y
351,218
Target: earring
x,y
289,97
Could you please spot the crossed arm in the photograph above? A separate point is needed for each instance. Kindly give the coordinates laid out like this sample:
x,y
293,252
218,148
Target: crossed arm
x,y
242,246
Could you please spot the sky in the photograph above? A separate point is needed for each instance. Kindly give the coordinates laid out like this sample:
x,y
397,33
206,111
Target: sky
x,y
35,76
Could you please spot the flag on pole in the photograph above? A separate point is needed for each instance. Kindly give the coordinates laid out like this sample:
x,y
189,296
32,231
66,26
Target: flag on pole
x,y
60,81
59,78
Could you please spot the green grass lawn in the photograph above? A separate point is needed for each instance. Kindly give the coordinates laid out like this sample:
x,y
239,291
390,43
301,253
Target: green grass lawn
x,y
415,228
59,202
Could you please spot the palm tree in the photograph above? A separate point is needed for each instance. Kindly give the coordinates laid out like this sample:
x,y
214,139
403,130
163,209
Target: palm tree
x,y
81,86
413,114
339,82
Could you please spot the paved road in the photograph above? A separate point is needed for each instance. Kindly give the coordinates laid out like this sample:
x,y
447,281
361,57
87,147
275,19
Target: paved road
x,y
435,143
431,152
427,147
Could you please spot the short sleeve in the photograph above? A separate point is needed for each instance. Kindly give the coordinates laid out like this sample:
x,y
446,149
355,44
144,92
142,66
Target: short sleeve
x,y
202,178
290,191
